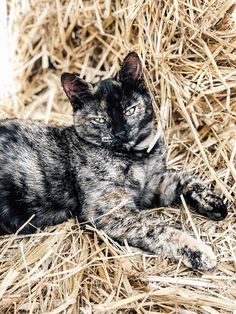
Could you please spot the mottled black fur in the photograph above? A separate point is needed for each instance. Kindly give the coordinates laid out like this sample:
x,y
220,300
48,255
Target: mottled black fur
x,y
102,169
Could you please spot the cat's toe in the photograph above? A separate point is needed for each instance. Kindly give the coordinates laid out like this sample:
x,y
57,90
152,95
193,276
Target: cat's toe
x,y
200,257
208,259
206,203
219,209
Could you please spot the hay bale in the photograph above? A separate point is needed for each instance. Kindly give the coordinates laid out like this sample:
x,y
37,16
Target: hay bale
x,y
188,48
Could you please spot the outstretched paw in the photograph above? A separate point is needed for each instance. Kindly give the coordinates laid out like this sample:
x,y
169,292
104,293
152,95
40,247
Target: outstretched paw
x,y
206,202
198,255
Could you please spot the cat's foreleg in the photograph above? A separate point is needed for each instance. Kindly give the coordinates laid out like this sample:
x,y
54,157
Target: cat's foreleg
x,y
199,196
146,232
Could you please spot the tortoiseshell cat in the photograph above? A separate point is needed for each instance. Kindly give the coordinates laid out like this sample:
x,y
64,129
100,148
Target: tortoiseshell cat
x,y
100,170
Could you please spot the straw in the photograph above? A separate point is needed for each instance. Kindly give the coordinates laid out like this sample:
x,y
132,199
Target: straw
x,y
188,50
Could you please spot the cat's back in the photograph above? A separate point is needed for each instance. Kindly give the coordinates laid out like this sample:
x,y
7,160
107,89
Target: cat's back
x,y
34,175
24,145
22,136
14,132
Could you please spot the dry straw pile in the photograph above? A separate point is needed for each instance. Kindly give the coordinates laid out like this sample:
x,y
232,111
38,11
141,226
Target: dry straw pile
x,y
189,51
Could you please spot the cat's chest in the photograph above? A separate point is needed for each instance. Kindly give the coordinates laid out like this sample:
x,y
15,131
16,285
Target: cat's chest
x,y
123,171
141,172
137,176
116,169
110,168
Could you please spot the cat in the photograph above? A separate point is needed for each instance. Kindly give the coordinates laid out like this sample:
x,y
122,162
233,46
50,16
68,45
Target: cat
x,y
105,169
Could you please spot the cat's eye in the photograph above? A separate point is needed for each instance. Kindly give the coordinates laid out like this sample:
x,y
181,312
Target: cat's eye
x,y
130,111
99,120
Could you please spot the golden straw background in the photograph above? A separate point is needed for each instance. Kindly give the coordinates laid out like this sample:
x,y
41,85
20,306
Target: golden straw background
x,y
188,48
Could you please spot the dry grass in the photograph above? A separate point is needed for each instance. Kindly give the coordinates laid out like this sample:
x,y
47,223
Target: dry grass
x,y
189,50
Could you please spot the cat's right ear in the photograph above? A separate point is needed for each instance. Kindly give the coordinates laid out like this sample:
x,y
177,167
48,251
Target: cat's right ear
x,y
76,89
131,73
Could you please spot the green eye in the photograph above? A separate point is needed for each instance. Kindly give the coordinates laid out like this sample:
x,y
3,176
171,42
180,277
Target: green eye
x,y
99,120
130,111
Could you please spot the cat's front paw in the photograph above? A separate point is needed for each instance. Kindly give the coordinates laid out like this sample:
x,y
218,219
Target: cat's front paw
x,y
198,255
206,202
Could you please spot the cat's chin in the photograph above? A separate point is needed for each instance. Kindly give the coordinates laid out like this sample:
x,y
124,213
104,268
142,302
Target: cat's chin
x,y
120,148
145,144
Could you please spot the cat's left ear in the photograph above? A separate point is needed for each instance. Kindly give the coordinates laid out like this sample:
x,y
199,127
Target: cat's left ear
x,y
76,89
131,72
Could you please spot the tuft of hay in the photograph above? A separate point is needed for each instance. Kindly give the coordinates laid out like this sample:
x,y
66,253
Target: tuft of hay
x,y
188,48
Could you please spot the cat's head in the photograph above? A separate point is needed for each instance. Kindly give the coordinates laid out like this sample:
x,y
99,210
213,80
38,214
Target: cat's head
x,y
116,113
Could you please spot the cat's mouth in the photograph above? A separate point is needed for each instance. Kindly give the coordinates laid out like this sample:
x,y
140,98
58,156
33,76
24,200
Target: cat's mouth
x,y
145,143
122,147
117,146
